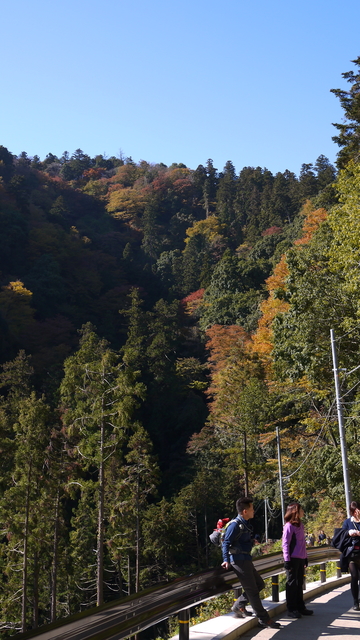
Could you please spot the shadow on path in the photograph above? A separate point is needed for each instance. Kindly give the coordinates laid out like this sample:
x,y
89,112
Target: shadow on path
x,y
333,618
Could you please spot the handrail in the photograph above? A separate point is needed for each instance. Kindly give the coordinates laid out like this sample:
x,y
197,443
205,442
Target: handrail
x,y
128,616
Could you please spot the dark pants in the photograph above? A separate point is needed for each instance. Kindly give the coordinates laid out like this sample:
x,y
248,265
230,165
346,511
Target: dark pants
x,y
252,583
294,585
354,569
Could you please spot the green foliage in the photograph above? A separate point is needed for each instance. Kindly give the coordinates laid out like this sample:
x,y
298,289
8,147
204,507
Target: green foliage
x,y
348,136
136,436
233,295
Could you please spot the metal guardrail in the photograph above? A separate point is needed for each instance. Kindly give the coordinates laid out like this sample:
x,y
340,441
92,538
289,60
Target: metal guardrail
x,y
120,619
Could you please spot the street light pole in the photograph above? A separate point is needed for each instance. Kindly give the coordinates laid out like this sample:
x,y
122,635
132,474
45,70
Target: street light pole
x,y
341,426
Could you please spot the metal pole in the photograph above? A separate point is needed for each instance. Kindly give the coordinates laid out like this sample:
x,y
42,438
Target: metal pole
x,y
341,426
184,626
275,588
323,572
280,476
266,520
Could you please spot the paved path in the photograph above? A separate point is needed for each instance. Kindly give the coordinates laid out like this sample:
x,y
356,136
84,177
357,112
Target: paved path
x,y
333,618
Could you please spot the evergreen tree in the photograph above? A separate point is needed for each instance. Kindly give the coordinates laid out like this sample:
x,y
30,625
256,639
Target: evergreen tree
x,y
307,182
23,515
98,399
348,137
140,477
226,194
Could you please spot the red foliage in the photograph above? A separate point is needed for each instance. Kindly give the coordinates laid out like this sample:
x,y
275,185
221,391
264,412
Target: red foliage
x,y
272,231
195,295
191,302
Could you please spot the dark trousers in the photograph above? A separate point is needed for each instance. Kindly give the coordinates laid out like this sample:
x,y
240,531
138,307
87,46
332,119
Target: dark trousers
x,y
294,585
252,583
354,569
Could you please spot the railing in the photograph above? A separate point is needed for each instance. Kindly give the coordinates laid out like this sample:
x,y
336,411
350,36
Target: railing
x,y
128,616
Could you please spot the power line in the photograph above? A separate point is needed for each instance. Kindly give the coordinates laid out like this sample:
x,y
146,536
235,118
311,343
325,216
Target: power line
x,y
347,333
315,443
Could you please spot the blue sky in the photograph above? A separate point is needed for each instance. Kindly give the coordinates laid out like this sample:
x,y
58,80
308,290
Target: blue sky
x,y
169,81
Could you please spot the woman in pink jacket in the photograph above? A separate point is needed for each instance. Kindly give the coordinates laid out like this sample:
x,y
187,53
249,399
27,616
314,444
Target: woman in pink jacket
x,y
295,559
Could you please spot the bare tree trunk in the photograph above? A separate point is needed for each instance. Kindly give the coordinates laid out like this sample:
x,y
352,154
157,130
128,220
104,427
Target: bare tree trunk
x,y
137,545
36,592
206,538
55,559
246,474
25,560
197,540
137,550
100,535
121,585
129,575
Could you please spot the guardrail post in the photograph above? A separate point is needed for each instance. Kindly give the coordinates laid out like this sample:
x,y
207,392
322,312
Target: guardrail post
x,y
323,572
184,626
275,588
338,569
237,593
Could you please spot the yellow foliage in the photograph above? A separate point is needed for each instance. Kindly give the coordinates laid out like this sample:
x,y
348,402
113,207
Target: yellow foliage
x,y
210,228
15,301
97,188
126,203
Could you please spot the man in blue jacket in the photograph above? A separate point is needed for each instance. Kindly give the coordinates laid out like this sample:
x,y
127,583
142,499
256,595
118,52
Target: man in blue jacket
x,y
236,550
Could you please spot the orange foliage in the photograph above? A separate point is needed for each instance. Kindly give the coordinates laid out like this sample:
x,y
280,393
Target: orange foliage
x,y
94,174
231,357
312,222
263,338
224,343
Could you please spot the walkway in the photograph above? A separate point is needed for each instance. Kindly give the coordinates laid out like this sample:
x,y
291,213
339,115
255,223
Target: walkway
x,y
333,618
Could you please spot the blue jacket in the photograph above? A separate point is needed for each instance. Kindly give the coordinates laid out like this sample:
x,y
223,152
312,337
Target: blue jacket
x,y
238,541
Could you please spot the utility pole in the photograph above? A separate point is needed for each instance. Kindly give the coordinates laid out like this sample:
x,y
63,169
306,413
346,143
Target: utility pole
x,y
280,476
344,457
266,520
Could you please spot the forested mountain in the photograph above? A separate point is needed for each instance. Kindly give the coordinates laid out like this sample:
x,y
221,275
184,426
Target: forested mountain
x,y
156,324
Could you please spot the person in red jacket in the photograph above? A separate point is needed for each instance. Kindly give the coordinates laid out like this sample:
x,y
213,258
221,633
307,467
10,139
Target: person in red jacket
x,y
295,559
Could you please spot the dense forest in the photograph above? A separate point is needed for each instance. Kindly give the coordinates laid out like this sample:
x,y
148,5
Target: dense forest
x,y
157,323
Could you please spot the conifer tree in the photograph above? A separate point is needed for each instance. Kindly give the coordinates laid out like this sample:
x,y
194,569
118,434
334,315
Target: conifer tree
x,y
140,476
348,137
21,506
98,398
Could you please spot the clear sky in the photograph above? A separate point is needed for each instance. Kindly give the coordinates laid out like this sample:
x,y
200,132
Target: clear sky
x,y
169,81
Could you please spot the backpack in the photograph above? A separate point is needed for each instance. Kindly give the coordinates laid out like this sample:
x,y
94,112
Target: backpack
x,y
218,535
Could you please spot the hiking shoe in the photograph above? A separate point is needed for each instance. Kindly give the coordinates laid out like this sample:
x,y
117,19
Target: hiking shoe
x,y
306,612
269,624
295,614
245,611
